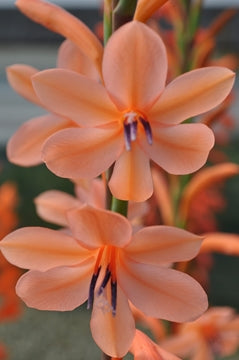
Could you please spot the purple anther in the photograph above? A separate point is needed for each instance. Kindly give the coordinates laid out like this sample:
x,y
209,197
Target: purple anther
x,y
133,130
104,281
147,129
127,136
113,296
92,288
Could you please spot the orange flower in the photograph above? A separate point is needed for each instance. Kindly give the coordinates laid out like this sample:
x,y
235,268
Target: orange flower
x,y
133,118
104,263
24,147
53,205
143,348
214,334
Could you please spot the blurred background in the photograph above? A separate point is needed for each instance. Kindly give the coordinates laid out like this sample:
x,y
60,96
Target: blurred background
x,y
44,335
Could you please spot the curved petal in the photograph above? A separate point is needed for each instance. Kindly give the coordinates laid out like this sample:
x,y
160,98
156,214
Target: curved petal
x,y
52,206
134,57
91,192
19,77
204,179
180,149
113,334
143,348
62,22
163,244
72,58
75,96
41,249
59,289
224,243
145,9
82,153
161,292
94,227
191,94
131,178
24,147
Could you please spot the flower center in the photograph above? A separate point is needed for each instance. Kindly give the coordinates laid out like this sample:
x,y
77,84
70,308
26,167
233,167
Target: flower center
x,y
106,260
131,121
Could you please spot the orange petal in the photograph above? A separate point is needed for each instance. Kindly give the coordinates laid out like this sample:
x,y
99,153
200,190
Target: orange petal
x,y
41,249
127,74
52,206
79,153
224,243
94,227
62,22
204,179
75,96
180,149
24,147
191,94
72,58
163,197
161,292
59,289
163,244
143,348
19,77
91,192
131,178
113,334
146,8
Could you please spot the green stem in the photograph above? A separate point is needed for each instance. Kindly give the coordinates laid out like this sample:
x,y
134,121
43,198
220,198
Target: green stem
x,y
107,21
119,206
123,12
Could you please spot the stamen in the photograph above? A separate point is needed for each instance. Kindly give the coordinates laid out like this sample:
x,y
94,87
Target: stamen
x,y
105,281
92,288
133,130
147,129
113,296
127,136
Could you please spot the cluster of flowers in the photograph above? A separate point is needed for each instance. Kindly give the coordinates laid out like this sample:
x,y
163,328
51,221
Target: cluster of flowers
x,y
120,127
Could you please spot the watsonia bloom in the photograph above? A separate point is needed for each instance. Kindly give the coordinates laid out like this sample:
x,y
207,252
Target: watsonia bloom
x,y
102,261
133,117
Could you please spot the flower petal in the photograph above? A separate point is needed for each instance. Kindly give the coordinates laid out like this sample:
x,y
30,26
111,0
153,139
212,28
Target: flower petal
x,y
24,147
113,334
180,149
163,244
72,58
145,9
82,153
134,57
75,96
41,249
52,206
224,243
59,289
143,348
95,227
161,292
19,77
131,178
191,94
62,22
